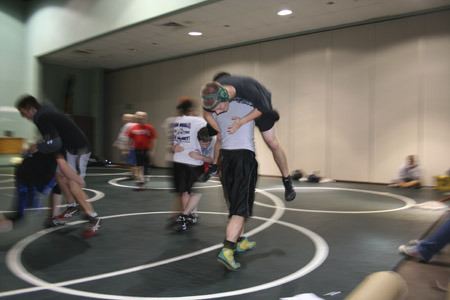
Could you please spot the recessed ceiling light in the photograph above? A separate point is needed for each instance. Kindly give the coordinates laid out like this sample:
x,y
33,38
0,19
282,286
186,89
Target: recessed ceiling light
x,y
284,12
195,33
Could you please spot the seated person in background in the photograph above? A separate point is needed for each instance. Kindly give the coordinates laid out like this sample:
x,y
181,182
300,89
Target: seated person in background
x,y
425,249
409,174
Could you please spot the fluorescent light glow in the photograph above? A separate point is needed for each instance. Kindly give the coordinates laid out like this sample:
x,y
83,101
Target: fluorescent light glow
x,y
284,12
195,33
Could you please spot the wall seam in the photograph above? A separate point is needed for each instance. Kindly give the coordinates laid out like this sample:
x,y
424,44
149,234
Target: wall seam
x,y
328,107
371,120
421,100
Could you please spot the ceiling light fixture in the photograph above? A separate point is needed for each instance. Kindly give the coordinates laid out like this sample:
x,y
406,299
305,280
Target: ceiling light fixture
x,y
195,33
284,12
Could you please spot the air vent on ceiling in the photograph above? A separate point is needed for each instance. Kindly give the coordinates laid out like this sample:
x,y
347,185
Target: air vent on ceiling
x,y
172,24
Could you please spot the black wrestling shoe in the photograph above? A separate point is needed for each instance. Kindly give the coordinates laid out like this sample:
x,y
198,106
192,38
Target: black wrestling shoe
x,y
192,219
54,222
289,192
69,212
181,224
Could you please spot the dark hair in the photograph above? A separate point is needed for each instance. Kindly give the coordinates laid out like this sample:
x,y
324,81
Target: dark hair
x,y
26,102
203,135
220,75
186,106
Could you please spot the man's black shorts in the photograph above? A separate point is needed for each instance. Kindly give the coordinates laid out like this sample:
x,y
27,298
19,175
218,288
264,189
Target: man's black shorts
x,y
239,176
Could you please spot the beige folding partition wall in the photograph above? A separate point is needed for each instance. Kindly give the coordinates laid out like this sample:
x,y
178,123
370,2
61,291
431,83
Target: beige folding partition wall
x,y
354,102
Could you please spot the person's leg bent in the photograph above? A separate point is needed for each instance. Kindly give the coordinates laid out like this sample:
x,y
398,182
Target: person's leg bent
x,y
279,156
192,174
72,160
55,200
411,183
280,159
83,161
24,195
438,240
235,228
63,184
81,197
66,170
184,200
193,200
63,187
239,176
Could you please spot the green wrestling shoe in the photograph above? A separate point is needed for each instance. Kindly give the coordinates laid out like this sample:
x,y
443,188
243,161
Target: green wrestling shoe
x,y
226,257
244,245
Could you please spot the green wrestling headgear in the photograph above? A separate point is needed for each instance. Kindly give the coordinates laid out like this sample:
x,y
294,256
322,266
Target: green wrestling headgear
x,y
213,94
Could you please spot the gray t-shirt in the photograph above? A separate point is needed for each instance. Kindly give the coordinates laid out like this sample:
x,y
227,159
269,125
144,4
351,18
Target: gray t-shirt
x,y
209,151
243,138
185,129
409,172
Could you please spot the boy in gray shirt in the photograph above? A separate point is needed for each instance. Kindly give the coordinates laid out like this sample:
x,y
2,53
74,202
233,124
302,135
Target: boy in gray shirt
x,y
239,172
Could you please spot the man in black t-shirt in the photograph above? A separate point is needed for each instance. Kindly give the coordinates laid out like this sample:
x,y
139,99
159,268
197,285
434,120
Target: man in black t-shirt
x,y
61,134
226,88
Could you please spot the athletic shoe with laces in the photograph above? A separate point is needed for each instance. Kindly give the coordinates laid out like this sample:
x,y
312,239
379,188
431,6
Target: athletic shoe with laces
x,y
139,186
54,222
69,212
289,192
180,218
413,243
226,257
92,227
244,245
192,219
410,250
181,224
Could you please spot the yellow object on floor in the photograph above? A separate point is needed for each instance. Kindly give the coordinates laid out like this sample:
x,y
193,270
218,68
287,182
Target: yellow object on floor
x,y
442,183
